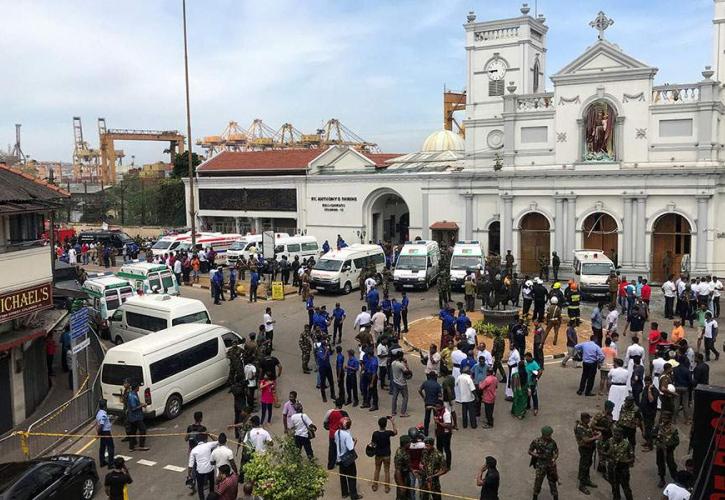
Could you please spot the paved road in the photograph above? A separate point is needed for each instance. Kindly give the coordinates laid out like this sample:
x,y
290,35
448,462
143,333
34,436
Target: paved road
x,y
159,473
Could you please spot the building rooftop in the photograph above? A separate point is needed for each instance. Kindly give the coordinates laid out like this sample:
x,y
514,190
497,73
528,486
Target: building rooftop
x,y
21,192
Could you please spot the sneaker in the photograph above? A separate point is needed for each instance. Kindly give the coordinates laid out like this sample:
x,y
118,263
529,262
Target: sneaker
x,y
373,408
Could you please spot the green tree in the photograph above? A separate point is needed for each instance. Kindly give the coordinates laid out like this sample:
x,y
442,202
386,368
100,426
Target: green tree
x,y
170,202
283,474
181,164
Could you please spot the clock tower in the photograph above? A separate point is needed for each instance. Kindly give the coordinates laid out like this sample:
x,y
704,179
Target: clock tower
x,y
500,54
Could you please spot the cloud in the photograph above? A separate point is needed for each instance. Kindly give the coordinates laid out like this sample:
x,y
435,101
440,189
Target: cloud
x,y
378,66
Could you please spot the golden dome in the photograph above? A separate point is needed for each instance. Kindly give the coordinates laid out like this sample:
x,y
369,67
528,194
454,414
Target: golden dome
x,y
443,140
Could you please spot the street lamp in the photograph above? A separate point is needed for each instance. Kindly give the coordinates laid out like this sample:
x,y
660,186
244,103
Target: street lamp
x,y
192,210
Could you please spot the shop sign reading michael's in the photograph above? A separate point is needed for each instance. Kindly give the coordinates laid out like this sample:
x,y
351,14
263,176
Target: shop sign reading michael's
x,y
26,300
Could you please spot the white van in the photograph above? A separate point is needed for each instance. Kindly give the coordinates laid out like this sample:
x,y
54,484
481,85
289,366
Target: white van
x,y
467,257
105,295
417,265
242,246
339,269
173,367
592,268
147,276
146,314
300,246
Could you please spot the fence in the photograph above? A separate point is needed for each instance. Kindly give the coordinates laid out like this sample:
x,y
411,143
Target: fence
x,y
68,417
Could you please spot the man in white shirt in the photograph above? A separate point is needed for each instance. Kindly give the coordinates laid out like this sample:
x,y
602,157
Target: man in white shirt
x,y
269,326
471,337
257,437
301,425
72,260
487,357
612,319
433,364
363,319
200,461
716,286
378,321
709,334
250,375
670,292
513,363
370,283
222,455
457,357
465,390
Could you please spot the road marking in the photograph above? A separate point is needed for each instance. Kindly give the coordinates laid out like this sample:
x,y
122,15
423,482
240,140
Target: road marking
x,y
146,462
174,468
85,446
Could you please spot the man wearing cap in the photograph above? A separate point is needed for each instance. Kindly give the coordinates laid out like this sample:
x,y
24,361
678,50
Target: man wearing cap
x,y
433,466
586,440
620,457
540,295
401,462
544,453
666,440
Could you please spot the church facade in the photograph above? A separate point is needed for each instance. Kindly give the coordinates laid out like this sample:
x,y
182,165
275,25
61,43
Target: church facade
x,y
607,159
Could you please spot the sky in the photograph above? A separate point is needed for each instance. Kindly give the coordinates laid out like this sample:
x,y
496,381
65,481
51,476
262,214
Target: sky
x,y
379,66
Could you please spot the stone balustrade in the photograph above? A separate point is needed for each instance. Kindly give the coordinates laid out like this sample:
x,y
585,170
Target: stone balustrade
x,y
496,34
676,94
535,102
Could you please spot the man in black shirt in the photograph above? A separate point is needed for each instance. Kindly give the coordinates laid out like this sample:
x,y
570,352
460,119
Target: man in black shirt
x,y
648,408
381,440
488,483
701,372
117,480
431,391
269,365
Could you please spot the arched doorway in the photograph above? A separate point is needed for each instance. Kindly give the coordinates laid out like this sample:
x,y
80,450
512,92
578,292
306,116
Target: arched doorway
x,y
599,232
494,238
534,242
671,240
390,219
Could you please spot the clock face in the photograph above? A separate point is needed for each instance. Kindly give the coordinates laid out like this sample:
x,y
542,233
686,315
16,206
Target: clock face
x,y
496,69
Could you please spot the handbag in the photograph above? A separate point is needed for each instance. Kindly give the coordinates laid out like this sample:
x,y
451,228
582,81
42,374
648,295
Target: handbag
x,y
310,428
348,458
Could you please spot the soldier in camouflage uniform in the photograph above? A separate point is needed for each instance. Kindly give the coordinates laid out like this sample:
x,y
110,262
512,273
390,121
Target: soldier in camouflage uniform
x,y
666,440
442,289
235,362
602,423
361,283
306,348
499,344
586,440
401,463
544,453
433,465
387,279
620,457
630,419
444,273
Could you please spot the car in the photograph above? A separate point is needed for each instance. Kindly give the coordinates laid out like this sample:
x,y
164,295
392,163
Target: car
x,y
59,476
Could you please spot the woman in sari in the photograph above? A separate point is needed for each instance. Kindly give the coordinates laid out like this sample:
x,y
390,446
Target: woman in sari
x,y
520,387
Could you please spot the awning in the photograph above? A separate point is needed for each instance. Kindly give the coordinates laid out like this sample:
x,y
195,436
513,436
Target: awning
x,y
444,225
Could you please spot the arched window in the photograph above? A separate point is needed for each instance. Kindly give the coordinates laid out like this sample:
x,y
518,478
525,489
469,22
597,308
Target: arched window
x,y
599,136
537,70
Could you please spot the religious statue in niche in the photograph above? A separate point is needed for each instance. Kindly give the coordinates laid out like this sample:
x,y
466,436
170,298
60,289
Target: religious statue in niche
x,y
599,145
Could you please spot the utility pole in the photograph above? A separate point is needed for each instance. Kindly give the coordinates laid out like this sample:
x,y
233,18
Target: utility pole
x,y
192,208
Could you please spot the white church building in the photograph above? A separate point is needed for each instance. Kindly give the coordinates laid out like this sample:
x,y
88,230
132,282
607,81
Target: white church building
x,y
607,160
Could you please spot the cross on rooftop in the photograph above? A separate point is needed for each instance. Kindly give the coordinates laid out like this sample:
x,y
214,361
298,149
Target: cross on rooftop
x,y
601,23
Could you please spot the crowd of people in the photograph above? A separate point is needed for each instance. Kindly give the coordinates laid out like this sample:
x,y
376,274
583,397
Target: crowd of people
x,y
648,383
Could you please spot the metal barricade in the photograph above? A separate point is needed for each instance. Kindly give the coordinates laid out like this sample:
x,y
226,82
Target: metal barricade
x,y
10,448
45,433
48,431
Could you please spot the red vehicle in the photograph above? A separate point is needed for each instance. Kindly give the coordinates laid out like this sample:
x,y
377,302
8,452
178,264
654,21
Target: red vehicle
x,y
62,233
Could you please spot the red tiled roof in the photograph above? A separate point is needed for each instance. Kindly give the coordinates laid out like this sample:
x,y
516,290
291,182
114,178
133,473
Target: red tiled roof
x,y
444,225
16,185
273,159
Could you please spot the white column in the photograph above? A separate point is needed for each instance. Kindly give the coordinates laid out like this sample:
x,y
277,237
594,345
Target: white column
x,y
701,250
570,229
468,216
424,224
507,230
559,225
640,235
627,233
